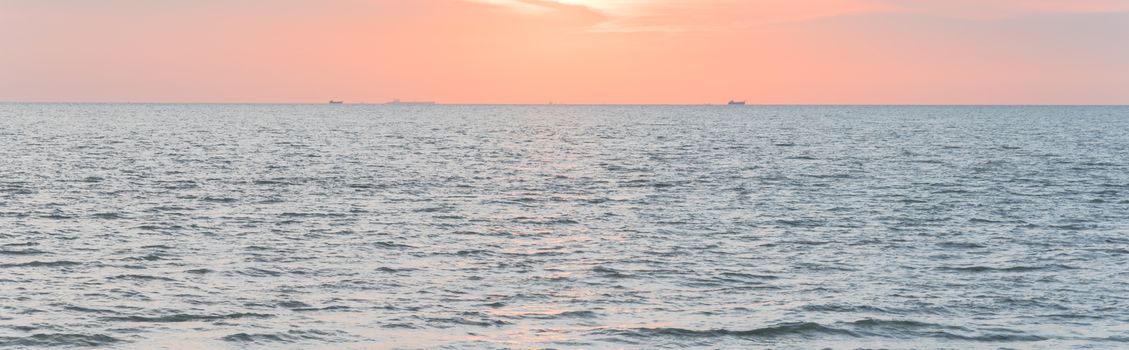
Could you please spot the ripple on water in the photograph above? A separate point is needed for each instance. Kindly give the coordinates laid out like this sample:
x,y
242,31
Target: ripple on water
x,y
176,318
800,329
21,252
59,340
291,336
37,263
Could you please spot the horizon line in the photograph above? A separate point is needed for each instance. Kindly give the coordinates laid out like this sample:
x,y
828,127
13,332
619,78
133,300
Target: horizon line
x,y
579,104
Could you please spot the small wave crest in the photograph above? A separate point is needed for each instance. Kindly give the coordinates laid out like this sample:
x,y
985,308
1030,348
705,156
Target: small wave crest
x,y
987,269
291,336
866,328
186,318
136,277
609,272
807,329
59,339
21,252
37,263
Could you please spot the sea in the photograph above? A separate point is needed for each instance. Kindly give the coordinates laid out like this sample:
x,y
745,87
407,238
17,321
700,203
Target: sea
x,y
226,226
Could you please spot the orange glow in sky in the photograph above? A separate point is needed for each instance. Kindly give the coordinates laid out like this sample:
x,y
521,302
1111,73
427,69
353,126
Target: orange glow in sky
x,y
567,51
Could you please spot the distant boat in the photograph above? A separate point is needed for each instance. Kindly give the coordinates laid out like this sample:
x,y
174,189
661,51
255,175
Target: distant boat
x,y
736,103
336,102
398,102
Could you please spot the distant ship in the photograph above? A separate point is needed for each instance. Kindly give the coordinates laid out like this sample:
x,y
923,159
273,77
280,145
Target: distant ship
x,y
398,102
336,102
736,103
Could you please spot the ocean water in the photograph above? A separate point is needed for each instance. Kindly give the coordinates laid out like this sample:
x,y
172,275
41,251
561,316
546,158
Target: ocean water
x,y
373,227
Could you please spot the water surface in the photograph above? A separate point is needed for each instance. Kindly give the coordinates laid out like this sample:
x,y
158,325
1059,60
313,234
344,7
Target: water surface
x,y
291,226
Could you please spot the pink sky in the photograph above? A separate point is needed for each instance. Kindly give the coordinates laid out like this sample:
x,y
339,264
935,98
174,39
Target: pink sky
x,y
567,51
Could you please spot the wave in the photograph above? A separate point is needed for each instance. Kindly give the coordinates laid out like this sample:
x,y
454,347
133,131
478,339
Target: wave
x,y
148,257
21,244
326,308
311,215
961,245
386,269
60,263
257,272
392,245
979,268
749,276
88,310
366,186
256,338
142,278
899,324
781,330
59,339
434,210
844,308
867,328
109,216
467,322
219,199
915,329
187,318
22,252
545,221
272,182
577,314
581,314
177,185
288,337
610,272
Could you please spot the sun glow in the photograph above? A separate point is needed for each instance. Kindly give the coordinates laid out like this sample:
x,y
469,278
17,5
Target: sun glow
x,y
599,5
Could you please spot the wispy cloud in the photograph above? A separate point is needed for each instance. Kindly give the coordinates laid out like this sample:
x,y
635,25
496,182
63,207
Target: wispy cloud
x,y
714,15
690,15
989,9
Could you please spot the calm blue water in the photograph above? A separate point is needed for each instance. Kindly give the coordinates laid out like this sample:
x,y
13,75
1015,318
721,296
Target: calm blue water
x,y
336,227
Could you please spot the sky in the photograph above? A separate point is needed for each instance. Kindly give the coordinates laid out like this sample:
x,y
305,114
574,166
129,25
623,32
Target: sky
x,y
567,51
